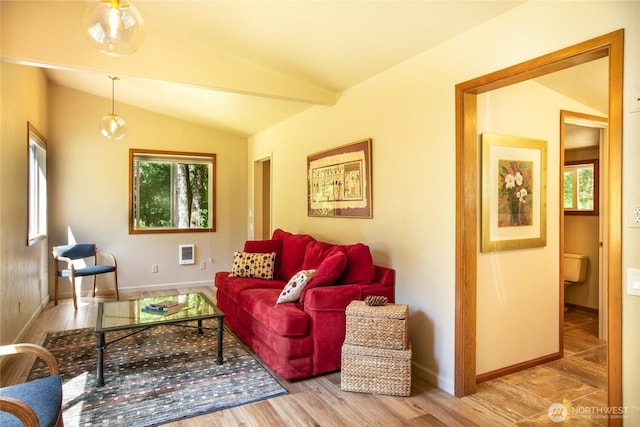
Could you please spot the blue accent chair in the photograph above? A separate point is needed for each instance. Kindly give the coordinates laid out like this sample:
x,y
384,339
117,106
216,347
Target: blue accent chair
x,y
82,251
35,403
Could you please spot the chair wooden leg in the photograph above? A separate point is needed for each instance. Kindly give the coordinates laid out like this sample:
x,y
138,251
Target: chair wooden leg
x,y
94,285
73,291
55,292
115,284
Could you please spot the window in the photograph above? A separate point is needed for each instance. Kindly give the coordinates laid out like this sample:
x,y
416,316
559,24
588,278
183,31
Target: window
x,y
37,197
171,191
581,188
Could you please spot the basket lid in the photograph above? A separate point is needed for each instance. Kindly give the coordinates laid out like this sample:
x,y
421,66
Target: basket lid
x,y
391,311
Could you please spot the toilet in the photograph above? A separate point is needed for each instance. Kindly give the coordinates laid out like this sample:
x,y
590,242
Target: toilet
x,y
575,268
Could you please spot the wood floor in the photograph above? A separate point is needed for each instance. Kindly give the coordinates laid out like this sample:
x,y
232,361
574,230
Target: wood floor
x,y
519,399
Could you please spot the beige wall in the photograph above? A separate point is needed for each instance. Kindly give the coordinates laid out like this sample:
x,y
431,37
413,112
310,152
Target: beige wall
x,y
23,269
519,290
89,190
409,113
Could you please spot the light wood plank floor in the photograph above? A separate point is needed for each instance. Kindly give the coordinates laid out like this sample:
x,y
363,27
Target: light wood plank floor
x,y
320,401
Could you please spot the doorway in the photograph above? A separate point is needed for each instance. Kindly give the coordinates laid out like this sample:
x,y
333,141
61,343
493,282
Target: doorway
x,y
260,216
467,191
583,142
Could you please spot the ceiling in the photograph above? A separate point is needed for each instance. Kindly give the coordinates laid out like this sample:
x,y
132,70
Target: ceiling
x,y
241,66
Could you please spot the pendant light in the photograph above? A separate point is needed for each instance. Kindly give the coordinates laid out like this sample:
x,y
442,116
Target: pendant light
x,y
115,27
113,126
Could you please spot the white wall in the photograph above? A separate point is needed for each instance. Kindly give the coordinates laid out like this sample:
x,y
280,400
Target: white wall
x,y
89,191
409,113
23,269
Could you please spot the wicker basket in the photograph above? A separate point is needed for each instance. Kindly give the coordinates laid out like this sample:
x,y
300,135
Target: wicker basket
x,y
375,370
382,326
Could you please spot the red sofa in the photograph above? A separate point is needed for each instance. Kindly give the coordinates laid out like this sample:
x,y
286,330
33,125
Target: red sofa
x,y
302,338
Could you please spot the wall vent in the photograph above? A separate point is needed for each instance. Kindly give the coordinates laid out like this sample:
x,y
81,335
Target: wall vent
x,y
186,254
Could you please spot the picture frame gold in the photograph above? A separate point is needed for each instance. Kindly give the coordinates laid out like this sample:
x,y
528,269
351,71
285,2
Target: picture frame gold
x,y
339,182
514,193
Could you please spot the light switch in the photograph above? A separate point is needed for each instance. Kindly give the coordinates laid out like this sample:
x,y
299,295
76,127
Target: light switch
x,y
633,281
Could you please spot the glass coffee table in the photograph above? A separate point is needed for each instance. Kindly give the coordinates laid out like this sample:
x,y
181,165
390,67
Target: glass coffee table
x,y
128,315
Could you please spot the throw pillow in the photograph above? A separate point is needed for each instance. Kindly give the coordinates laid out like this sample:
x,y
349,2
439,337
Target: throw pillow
x,y
267,246
328,271
256,265
330,268
360,267
294,287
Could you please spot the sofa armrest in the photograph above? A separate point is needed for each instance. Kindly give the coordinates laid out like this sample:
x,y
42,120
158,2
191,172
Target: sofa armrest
x,y
336,298
385,276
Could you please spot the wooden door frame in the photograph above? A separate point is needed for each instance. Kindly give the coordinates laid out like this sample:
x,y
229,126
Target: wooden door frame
x,y
468,196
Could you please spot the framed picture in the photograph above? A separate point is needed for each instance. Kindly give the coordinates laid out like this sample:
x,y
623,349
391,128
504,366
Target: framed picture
x,y
514,193
339,181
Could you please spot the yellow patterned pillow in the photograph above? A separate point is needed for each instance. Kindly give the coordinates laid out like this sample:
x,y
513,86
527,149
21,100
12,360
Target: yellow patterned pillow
x,y
257,265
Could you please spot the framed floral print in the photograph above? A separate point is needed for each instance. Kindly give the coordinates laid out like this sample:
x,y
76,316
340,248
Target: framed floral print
x,y
514,188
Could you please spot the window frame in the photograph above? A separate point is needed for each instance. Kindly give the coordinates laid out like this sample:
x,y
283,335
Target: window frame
x,y
172,157
596,180
36,186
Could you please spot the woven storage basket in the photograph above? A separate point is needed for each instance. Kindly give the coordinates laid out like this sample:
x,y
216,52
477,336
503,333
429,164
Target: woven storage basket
x,y
376,370
382,326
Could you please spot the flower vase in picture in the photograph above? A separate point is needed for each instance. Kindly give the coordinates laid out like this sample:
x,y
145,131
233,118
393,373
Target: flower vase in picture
x,y
515,193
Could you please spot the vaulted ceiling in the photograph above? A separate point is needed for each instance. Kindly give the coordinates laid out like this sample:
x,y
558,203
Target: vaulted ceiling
x,y
240,66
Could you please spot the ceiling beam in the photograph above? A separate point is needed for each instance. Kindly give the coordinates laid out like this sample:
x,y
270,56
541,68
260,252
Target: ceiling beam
x,y
49,34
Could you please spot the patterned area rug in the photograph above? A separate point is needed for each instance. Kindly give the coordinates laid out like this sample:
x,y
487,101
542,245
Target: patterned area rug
x,y
163,374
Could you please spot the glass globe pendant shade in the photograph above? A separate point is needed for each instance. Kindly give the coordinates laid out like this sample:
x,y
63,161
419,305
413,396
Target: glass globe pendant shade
x,y
113,127
114,27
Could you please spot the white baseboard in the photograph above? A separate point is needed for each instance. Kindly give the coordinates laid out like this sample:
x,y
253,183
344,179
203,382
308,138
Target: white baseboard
x,y
433,378
140,288
33,317
161,286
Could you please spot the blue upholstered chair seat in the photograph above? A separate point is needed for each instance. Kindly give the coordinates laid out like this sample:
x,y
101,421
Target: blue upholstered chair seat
x,y
43,395
88,271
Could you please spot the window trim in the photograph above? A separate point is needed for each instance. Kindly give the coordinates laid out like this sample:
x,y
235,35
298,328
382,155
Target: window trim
x,y
34,137
596,195
208,158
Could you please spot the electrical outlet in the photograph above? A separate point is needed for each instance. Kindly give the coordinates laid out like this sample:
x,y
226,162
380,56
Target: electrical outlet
x,y
635,216
203,265
154,268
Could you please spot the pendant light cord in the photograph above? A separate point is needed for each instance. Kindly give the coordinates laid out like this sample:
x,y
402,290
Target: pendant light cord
x,y
113,102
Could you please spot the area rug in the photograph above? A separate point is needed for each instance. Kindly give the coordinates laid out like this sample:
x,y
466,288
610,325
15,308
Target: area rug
x,y
164,374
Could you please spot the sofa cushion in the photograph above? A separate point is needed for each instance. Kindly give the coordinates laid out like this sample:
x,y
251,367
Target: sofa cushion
x,y
233,286
258,265
283,319
360,267
267,246
315,253
294,287
293,250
